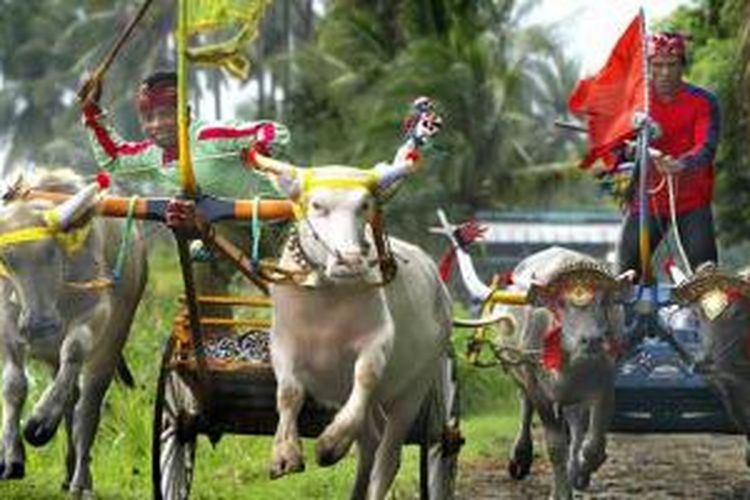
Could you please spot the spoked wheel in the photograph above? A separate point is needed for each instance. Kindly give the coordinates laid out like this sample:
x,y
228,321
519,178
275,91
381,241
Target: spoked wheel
x,y
173,440
438,454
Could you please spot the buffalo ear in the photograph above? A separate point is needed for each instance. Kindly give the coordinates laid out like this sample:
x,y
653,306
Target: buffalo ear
x,y
624,285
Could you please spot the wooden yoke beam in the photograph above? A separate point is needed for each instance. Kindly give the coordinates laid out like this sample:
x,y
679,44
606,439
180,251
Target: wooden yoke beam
x,y
211,209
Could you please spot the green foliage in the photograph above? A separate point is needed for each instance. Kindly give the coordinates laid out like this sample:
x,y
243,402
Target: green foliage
x,y
498,86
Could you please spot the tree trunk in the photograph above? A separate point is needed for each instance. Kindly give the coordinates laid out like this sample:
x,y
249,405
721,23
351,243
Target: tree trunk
x,y
216,91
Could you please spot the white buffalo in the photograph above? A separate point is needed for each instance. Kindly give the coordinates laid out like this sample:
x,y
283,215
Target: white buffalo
x,y
346,330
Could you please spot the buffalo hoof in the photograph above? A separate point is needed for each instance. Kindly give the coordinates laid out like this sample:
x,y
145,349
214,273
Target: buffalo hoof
x,y
581,481
286,460
328,450
281,469
37,434
592,461
82,494
16,470
518,469
519,465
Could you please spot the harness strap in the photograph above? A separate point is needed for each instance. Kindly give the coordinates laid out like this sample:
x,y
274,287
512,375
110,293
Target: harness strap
x,y
387,262
71,241
127,231
95,284
255,233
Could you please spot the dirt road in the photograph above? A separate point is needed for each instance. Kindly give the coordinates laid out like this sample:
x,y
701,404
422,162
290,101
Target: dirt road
x,y
639,467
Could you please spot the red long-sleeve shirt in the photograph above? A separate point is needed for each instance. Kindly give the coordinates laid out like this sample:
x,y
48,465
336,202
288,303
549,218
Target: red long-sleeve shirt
x,y
690,134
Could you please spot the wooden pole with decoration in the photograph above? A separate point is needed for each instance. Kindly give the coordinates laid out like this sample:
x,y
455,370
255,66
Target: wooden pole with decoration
x,y
644,234
186,168
189,190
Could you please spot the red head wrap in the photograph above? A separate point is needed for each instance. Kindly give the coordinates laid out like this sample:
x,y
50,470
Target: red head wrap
x,y
666,44
156,96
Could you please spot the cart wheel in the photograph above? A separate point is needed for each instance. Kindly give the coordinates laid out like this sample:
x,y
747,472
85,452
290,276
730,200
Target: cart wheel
x,y
172,444
438,458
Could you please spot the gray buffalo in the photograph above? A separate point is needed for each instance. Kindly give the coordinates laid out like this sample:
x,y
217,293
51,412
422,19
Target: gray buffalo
x,y
560,349
60,305
721,301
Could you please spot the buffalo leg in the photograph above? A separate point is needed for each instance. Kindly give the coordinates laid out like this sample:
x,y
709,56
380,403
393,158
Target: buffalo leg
x,y
338,437
286,455
48,412
400,418
522,452
15,390
594,449
576,417
86,419
367,445
70,453
556,438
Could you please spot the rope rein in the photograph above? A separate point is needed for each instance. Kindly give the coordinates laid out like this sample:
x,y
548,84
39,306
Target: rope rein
x,y
671,183
127,232
275,274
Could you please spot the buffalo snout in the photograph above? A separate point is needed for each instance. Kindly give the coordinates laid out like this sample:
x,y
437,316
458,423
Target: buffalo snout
x,y
592,344
347,263
39,325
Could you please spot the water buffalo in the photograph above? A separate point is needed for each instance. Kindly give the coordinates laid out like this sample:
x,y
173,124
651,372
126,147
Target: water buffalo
x,y
60,306
347,330
561,350
721,301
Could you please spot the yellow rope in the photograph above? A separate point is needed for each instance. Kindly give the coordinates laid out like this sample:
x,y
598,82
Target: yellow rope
x,y
310,181
25,235
71,241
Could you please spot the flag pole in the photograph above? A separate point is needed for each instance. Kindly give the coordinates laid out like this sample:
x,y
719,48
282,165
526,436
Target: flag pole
x,y
186,167
644,237
188,189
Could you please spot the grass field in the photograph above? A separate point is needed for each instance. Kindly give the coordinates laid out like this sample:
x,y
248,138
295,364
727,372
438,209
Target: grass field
x,y
237,467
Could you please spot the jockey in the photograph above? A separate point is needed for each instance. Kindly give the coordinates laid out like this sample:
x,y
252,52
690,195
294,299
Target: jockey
x,y
217,150
687,123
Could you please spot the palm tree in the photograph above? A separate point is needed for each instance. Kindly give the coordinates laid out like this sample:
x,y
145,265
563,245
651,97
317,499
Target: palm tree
x,y
493,80
41,69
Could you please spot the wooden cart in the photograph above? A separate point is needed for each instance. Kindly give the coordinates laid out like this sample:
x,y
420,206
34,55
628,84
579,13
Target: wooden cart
x,y
238,396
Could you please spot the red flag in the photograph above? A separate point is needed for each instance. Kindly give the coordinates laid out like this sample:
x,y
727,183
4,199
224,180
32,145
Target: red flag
x,y
610,99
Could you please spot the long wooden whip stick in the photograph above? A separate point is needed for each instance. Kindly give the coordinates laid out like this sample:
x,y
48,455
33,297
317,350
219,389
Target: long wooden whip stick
x,y
89,85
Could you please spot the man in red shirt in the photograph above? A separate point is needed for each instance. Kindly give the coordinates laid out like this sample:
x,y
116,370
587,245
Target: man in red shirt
x,y
687,117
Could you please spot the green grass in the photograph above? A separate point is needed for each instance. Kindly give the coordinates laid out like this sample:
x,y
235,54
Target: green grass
x,y
237,466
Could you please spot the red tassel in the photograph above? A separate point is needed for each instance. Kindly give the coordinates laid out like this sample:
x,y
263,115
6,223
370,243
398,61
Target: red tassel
x,y
446,264
505,279
552,353
103,179
669,263
615,348
413,156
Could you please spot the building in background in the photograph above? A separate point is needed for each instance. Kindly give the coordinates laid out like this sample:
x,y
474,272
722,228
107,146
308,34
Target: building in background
x,y
512,236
